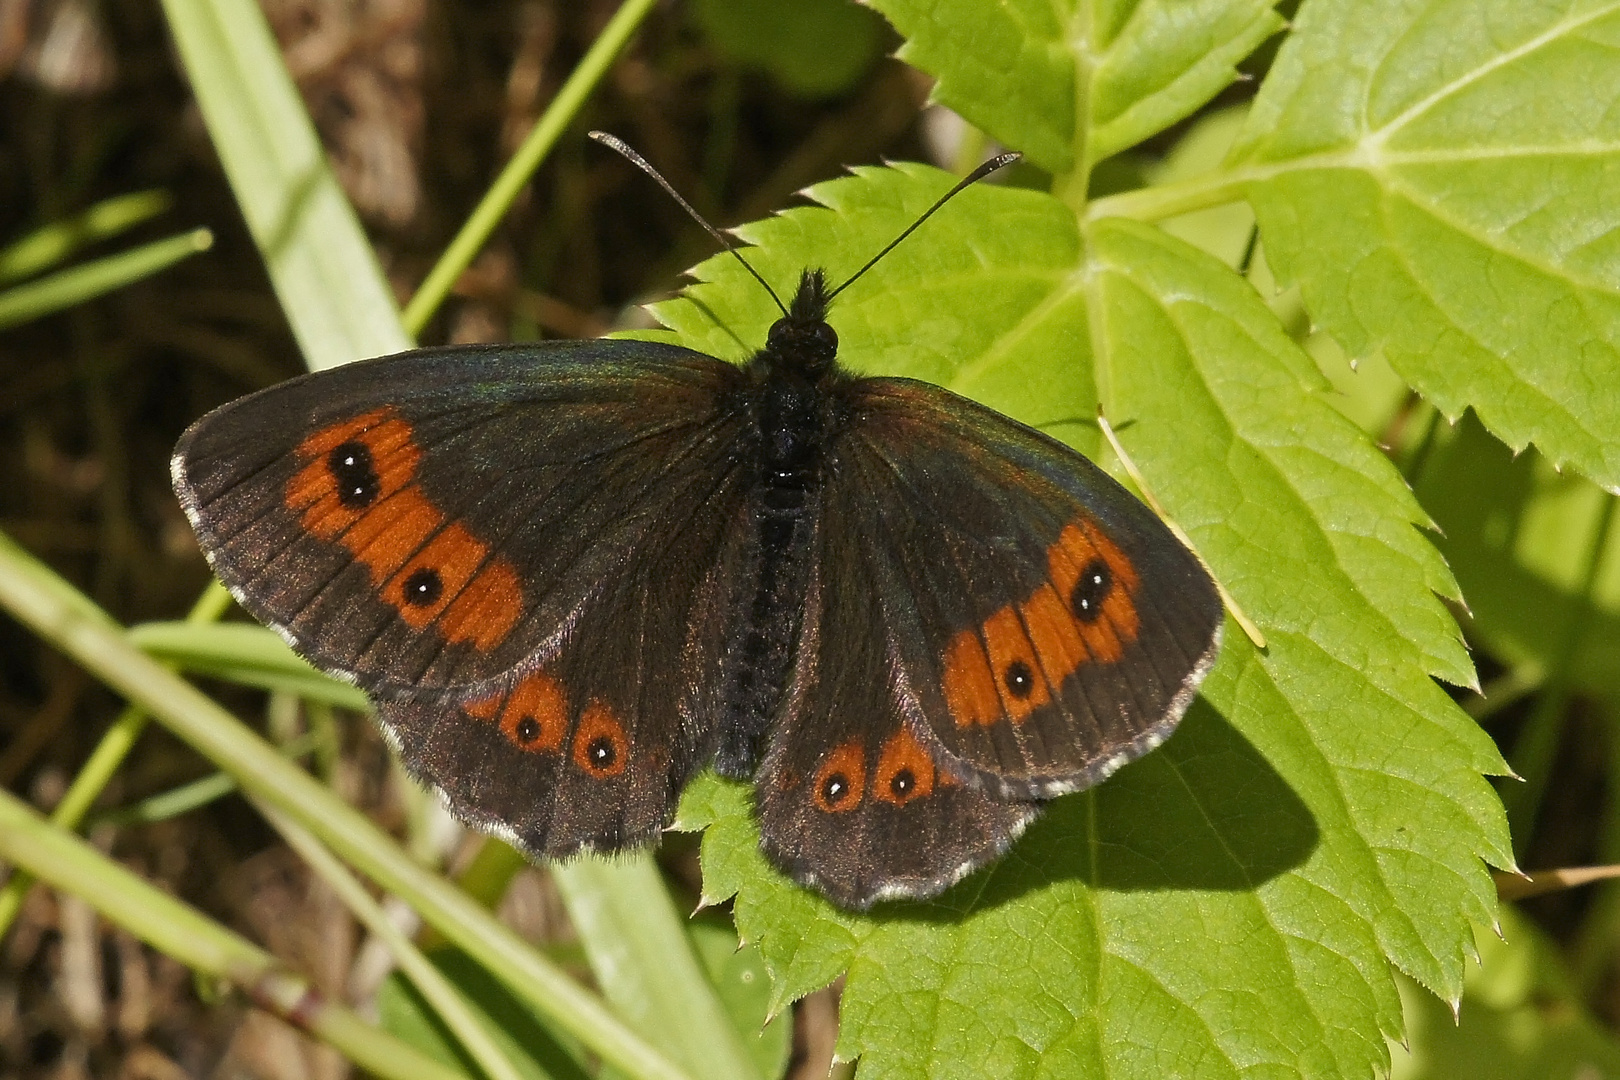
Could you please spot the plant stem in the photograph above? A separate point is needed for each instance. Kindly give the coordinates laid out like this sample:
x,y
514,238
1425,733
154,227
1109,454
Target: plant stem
x,y
1537,746
103,762
70,864
561,112
40,599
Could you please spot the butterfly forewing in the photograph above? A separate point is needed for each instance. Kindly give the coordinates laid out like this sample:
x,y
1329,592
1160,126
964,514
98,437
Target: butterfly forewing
x,y
1049,625
434,520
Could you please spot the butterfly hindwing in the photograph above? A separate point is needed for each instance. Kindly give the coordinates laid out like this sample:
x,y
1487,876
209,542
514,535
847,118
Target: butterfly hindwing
x,y
852,797
591,748
433,520
1049,625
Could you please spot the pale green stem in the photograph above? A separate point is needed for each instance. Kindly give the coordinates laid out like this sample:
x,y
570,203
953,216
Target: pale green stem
x,y
103,762
558,115
36,596
445,999
50,244
642,957
73,866
65,288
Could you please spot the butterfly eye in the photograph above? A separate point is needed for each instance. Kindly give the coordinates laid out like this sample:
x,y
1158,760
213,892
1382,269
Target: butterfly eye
x,y
1096,582
781,333
813,341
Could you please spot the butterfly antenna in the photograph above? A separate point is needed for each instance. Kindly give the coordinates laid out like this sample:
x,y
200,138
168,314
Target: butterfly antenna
x,y
998,162
613,142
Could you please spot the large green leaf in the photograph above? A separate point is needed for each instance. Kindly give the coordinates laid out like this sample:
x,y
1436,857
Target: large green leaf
x,y
1521,1019
1436,175
1072,82
1519,535
1236,897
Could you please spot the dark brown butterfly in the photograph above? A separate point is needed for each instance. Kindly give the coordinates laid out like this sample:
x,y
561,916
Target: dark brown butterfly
x,y
572,574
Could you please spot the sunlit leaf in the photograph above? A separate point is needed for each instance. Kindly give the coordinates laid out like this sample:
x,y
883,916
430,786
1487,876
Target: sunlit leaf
x,y
1435,175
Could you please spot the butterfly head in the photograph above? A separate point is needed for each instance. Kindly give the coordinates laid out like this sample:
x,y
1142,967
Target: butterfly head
x,y
802,338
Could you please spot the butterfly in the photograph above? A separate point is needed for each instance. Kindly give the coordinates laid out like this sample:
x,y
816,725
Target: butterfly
x,y
572,574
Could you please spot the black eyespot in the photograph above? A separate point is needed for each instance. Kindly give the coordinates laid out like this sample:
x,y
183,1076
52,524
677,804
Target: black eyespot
x,y
1019,679
424,587
1095,583
528,729
355,474
903,783
601,753
834,789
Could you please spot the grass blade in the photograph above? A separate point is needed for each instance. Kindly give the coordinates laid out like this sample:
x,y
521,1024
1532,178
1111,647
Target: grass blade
x,y
72,865
23,303
322,265
50,244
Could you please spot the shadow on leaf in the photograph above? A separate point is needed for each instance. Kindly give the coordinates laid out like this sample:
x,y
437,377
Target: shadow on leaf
x,y
1204,811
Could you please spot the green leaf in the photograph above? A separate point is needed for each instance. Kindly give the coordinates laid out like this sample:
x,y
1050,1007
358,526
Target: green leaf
x,y
1237,896
1521,1019
1071,83
1517,532
1157,61
1435,175
815,48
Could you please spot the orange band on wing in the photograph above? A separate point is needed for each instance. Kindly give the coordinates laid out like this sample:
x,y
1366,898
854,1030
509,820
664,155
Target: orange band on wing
x,y
391,532
1020,683
533,715
382,442
1101,585
970,686
841,781
357,489
434,575
1086,613
601,748
486,610
1055,633
904,770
